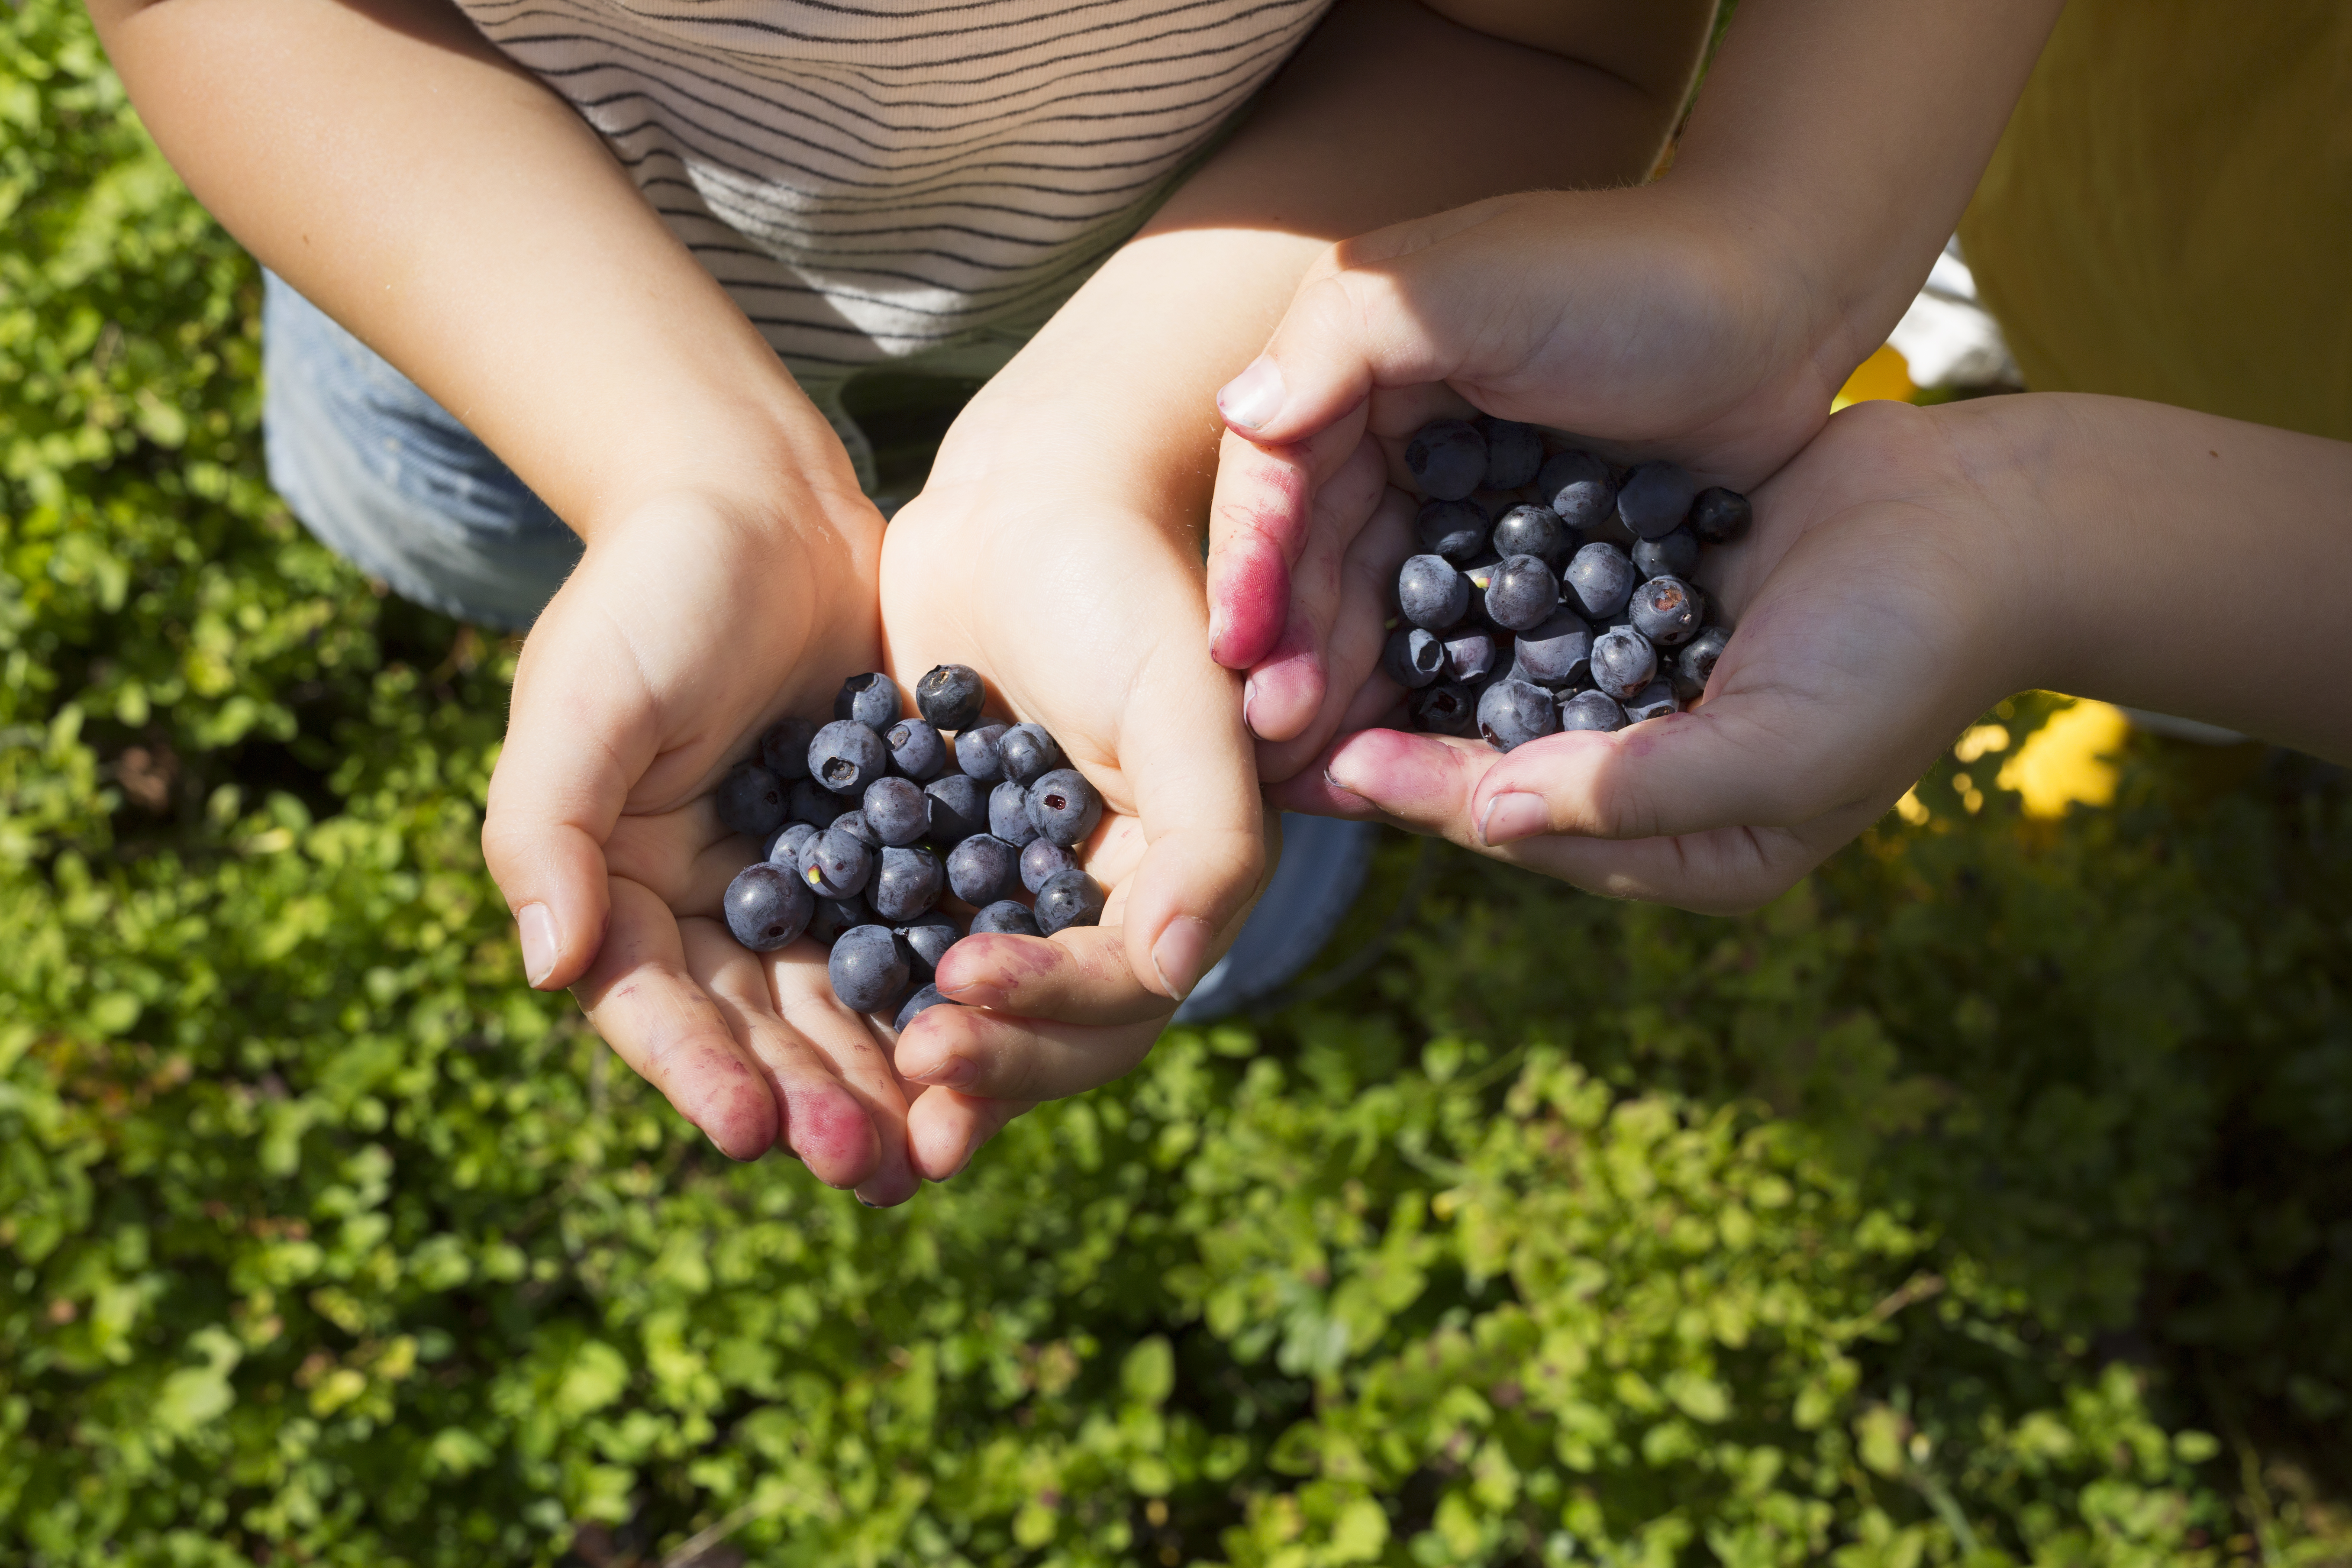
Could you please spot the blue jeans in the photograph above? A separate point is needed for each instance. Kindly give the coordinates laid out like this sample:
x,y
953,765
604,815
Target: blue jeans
x,y
390,481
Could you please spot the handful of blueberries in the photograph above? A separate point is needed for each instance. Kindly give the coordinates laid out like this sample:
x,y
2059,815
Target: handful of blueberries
x,y
872,818
1554,591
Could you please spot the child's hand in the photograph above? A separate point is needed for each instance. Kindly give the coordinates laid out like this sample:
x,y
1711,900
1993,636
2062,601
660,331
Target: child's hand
x,y
686,629
1883,600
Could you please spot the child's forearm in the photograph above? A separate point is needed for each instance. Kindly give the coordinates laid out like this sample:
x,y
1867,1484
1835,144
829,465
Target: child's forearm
x,y
448,208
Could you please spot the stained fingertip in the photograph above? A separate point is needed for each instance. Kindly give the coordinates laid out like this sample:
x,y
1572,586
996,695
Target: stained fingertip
x,y
832,1135
982,969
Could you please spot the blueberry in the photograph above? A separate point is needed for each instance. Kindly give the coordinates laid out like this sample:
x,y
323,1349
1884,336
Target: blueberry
x,y
847,756
949,696
1652,702
834,916
1719,516
921,1002
1480,575
1431,594
869,968
783,749
1522,593
784,849
751,801
929,937
917,751
1007,917
977,754
814,804
1623,662
1512,712
1068,898
1448,457
898,809
854,823
836,865
1514,453
1534,530
906,884
1591,711
1448,709
1042,860
1469,655
1675,555
1598,579
767,907
1555,654
1697,662
982,869
1655,498
1008,813
1029,753
1413,657
1666,610
1578,488
958,810
1065,806
871,700
1454,529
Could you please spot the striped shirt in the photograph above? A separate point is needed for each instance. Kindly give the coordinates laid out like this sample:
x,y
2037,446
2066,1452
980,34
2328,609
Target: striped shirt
x,y
875,182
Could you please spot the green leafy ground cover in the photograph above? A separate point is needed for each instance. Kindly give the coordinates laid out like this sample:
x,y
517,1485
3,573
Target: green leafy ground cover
x,y
1985,1200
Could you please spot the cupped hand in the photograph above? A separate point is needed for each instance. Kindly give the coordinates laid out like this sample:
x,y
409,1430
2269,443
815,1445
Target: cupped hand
x,y
1645,320
1885,598
689,625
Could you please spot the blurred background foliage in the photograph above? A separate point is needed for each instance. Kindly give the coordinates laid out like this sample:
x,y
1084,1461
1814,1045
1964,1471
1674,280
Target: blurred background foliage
x,y
1984,1200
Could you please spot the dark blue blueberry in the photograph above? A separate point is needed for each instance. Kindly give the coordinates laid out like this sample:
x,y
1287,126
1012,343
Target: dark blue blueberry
x,y
1469,655
1431,594
1065,806
869,968
767,907
1413,657
1675,555
1655,498
917,751
751,801
1029,753
784,849
1008,813
1068,898
1623,662
981,869
897,810
929,937
854,823
1666,610
1042,861
957,809
1522,593
949,696
1448,459
1591,711
1007,917
814,804
1578,487
1555,654
1534,530
834,916
1514,454
1598,581
921,1002
1655,701
1697,662
1719,516
871,700
836,864
1512,712
977,754
783,749
847,756
1446,709
1454,529
906,884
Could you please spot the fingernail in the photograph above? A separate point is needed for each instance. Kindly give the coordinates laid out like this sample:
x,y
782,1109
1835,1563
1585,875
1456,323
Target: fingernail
x,y
1333,780
536,926
1252,397
1511,817
956,1072
1249,695
1180,953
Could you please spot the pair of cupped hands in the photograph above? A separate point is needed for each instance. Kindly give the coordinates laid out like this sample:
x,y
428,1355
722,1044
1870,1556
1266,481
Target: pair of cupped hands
x,y
1866,636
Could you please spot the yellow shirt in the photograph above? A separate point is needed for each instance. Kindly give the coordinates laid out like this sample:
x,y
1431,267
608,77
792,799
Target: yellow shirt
x,y
2170,213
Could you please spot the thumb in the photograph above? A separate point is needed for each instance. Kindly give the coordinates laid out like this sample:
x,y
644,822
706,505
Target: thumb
x,y
1347,332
